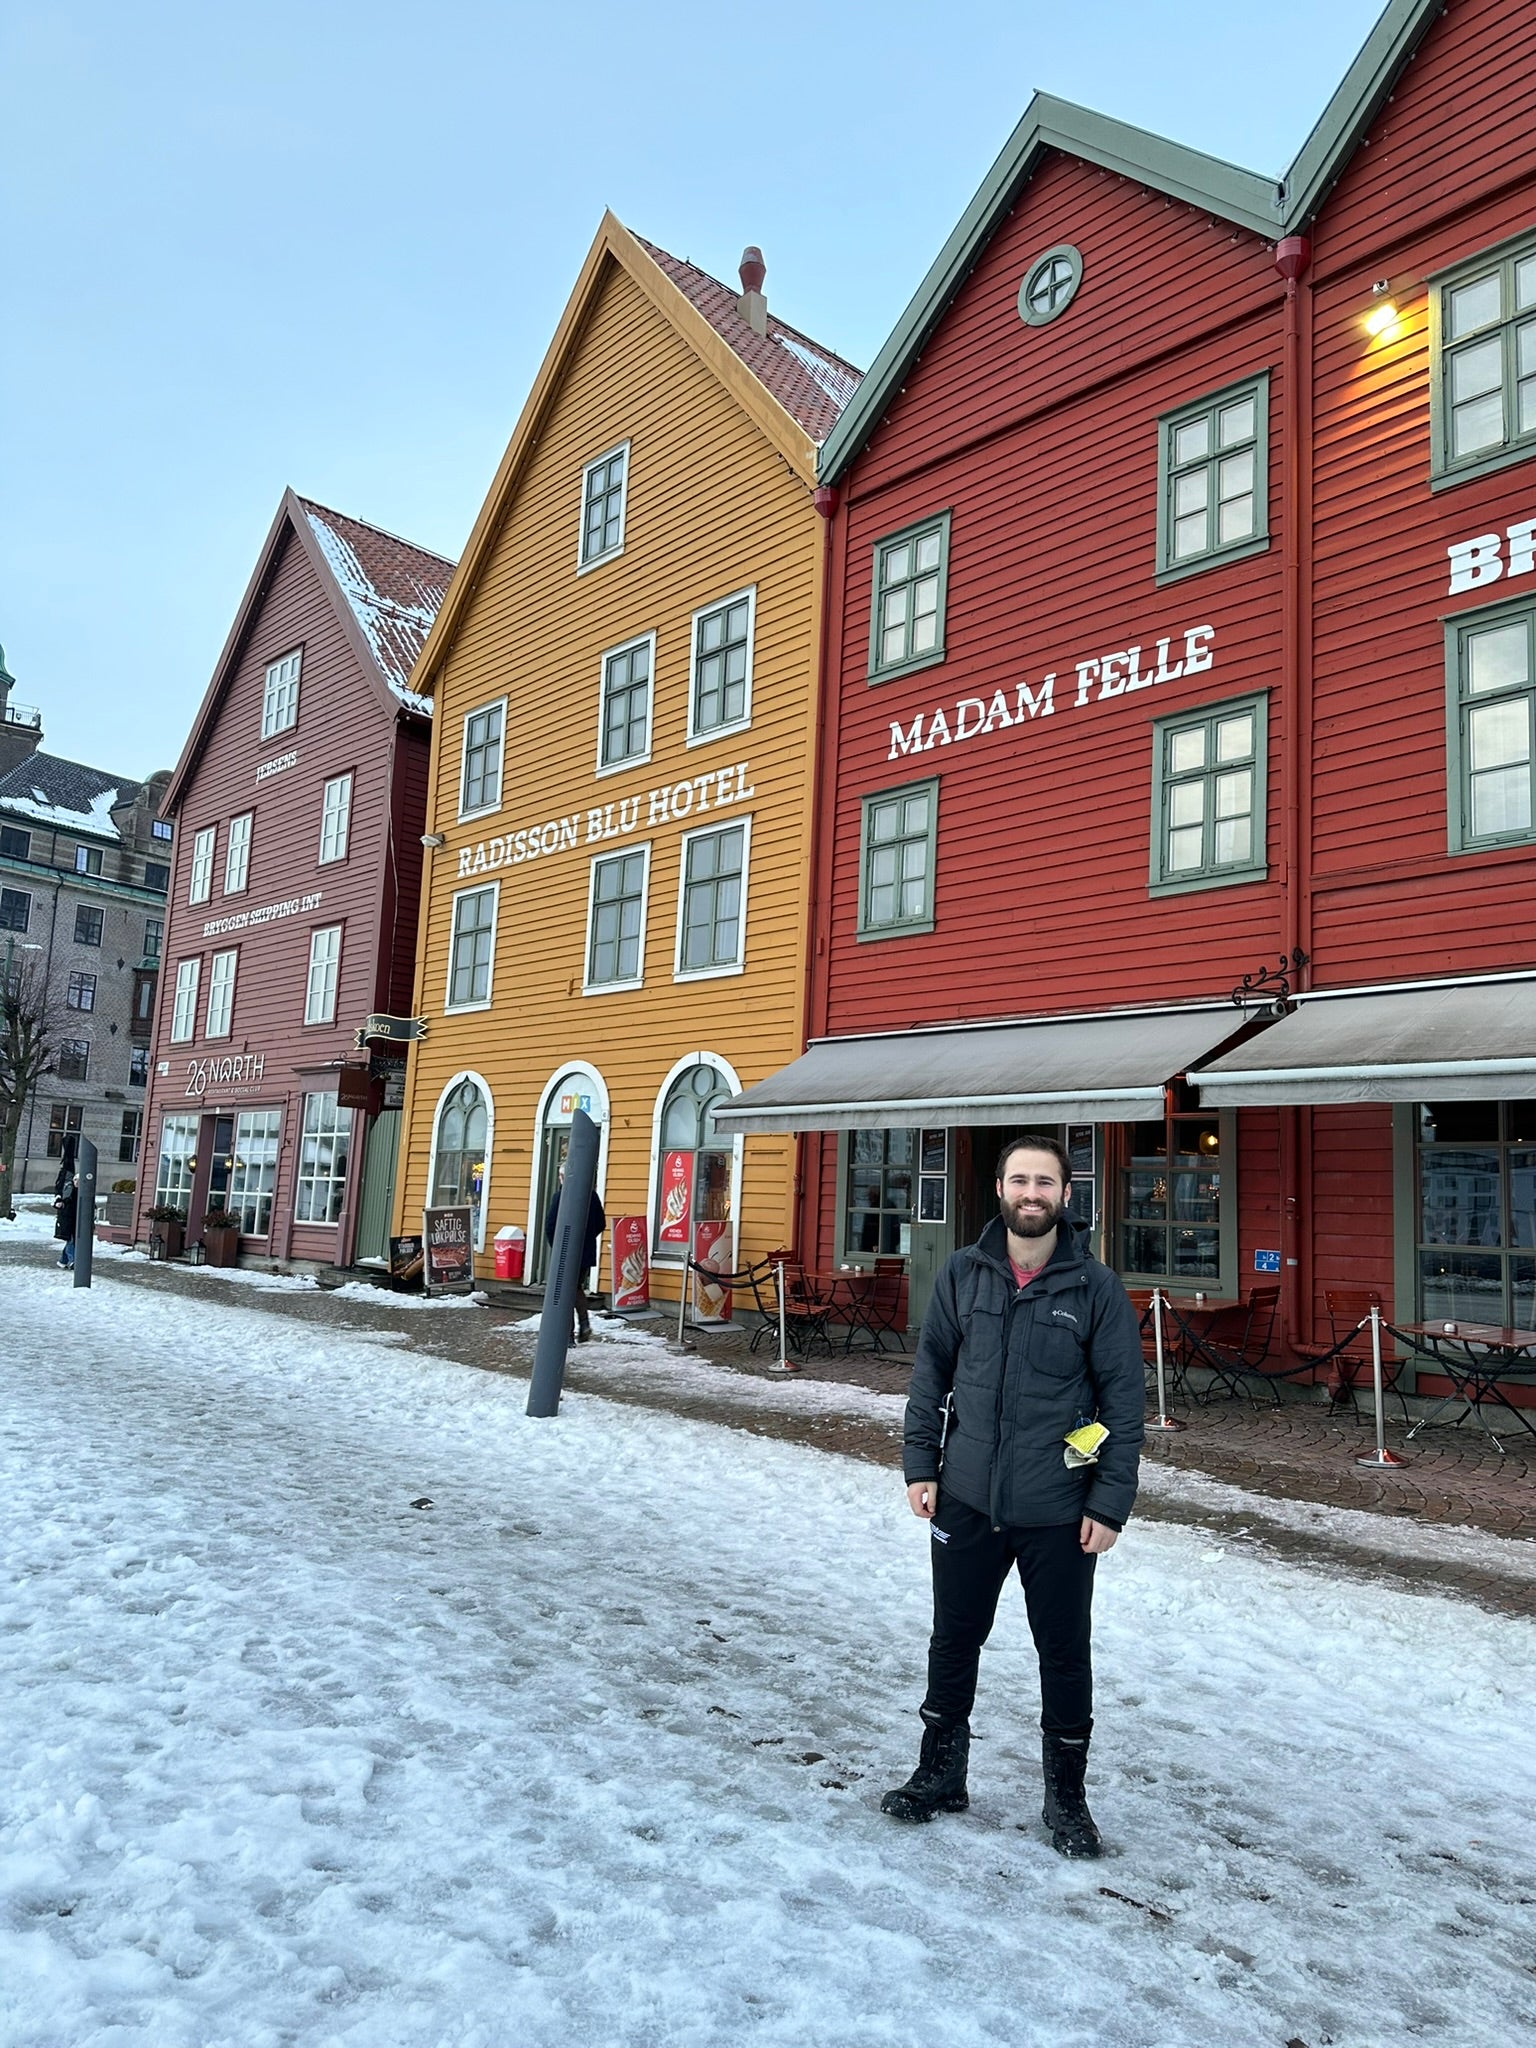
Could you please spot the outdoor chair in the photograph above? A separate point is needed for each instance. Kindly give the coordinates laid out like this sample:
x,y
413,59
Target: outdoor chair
x,y
883,1308
1348,1307
805,1315
1234,1348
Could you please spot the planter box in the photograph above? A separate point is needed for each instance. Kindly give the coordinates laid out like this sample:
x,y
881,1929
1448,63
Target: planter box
x,y
170,1238
222,1246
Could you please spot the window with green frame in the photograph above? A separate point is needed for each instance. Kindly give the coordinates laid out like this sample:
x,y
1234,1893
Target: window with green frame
x,y
1208,796
1490,668
906,626
1172,1225
1213,480
1474,1211
1482,389
896,860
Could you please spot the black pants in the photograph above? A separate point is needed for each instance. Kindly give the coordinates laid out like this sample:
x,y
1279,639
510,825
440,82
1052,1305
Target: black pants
x,y
971,1561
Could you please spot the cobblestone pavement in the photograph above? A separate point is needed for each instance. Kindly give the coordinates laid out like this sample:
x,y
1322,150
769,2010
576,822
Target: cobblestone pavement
x,y
1296,1453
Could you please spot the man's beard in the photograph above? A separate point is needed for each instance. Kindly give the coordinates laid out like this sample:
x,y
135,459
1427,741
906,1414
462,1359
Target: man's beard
x,y
1037,1222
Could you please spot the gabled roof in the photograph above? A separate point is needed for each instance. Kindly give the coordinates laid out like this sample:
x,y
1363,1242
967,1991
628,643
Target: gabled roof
x,y
790,387
1268,207
385,593
46,790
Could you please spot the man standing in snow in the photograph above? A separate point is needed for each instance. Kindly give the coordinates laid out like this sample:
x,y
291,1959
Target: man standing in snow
x,y
1028,1340
597,1223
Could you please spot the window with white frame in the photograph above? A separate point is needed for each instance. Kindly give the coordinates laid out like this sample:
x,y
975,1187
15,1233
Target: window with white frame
x,y
200,888
625,717
335,818
325,1145
280,696
253,1175
221,994
87,860
177,1162
237,855
721,696
480,776
616,919
184,1008
710,925
471,948
324,973
603,487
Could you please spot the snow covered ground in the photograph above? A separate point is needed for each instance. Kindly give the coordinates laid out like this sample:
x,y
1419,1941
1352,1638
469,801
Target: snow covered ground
x,y
589,1751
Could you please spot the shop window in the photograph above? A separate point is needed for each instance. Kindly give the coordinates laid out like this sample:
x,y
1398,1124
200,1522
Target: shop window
x,y
177,1162
280,696
128,1142
335,818
324,975
1213,480
1475,1212
1482,325
1050,285
15,910
693,1181
200,882
721,697
72,1061
461,1150
881,1192
237,855
480,769
1490,725
184,1008
87,860
221,994
14,843
88,925
253,1171
625,716
604,487
616,894
711,928
80,992
906,627
896,860
1170,1221
324,1148
1208,797
64,1121
472,948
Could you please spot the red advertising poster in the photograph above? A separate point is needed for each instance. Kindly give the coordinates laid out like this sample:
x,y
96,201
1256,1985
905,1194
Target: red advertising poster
x,y
631,1263
712,1250
676,1198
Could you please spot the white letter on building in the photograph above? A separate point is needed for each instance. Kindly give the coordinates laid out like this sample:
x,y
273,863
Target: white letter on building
x,y
1087,676
908,741
1197,657
1038,703
1474,562
1522,547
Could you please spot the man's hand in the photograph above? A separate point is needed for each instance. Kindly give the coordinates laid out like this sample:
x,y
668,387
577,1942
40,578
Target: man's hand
x,y
923,1498
1095,1538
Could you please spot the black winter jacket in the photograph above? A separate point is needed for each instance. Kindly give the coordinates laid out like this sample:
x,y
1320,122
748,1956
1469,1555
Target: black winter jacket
x,y
1020,1369
597,1223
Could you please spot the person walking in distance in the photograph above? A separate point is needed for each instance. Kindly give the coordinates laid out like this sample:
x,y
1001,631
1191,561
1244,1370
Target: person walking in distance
x,y
1028,1341
597,1223
67,1205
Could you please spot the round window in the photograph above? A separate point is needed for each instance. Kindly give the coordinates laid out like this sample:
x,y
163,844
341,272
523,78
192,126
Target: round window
x,y
1050,285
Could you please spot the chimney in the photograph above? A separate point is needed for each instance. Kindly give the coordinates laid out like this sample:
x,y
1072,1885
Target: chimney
x,y
21,728
752,306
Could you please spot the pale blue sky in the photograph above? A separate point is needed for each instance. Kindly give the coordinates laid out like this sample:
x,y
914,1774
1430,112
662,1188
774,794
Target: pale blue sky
x,y
325,244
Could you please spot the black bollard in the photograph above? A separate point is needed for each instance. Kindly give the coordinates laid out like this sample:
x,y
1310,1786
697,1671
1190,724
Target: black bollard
x,y
85,1213
576,1192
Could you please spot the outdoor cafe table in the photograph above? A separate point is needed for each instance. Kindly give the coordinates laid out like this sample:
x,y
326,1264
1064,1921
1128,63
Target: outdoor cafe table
x,y
1185,1322
845,1296
1474,1357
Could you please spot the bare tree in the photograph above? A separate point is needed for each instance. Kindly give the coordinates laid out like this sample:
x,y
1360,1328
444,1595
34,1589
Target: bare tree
x,y
28,1043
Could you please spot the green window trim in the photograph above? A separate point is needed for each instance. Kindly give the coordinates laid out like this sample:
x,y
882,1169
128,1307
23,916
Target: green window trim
x,y
1223,459
1217,770
1050,285
1489,718
1123,1227
912,577
900,830
1492,359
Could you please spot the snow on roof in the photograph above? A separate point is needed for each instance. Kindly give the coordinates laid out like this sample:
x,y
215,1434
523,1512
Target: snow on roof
x,y
66,794
393,587
810,382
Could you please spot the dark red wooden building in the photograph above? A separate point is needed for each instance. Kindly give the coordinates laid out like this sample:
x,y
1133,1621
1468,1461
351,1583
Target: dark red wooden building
x,y
299,799
1182,630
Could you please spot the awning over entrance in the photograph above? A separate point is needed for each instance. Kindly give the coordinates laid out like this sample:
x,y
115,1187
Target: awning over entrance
x,y
1100,1069
1436,1043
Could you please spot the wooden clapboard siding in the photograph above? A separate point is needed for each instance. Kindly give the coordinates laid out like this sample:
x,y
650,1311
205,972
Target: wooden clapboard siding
x,y
712,508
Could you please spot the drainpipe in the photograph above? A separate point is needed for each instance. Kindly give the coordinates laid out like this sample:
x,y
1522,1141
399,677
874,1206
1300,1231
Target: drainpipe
x,y
809,1166
1292,258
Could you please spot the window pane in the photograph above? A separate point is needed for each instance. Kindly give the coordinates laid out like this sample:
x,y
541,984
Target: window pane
x,y
1501,801
1190,492
1473,305
1476,370
1525,283
1234,841
1236,473
1234,521
882,821
1463,1287
1500,659
1189,536
1191,441
1479,424
928,552
1186,803
1499,734
898,563
1234,737
1186,750
1184,849
893,608
1234,793
1237,422
915,813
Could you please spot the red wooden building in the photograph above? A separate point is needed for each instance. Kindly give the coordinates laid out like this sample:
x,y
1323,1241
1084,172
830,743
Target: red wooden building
x,y
1177,629
299,799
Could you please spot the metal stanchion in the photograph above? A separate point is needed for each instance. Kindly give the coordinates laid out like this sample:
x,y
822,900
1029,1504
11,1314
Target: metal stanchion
x,y
682,1341
783,1363
1164,1419
1381,1456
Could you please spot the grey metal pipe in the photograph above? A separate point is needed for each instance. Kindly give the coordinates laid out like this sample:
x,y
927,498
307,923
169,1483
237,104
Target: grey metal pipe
x,y
576,1192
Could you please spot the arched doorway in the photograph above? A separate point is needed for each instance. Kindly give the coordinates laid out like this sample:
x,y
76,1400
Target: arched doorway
x,y
695,1173
461,1148
569,1088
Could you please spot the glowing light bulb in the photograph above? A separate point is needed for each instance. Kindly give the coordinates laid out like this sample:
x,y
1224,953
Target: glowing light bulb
x,y
1381,317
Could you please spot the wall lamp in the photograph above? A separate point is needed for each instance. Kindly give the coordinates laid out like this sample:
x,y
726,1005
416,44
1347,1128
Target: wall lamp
x,y
1383,307
434,839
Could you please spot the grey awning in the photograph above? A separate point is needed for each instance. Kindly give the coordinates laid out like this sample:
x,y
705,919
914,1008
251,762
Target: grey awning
x,y
1101,1069
1441,1042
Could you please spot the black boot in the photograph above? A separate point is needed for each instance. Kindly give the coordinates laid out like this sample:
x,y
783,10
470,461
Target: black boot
x,y
1064,1759
938,1783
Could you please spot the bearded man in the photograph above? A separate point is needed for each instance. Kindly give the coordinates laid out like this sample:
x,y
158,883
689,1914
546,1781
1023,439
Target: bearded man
x,y
1028,1341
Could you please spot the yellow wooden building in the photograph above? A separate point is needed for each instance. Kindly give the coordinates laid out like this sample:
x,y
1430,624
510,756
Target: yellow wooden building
x,y
624,676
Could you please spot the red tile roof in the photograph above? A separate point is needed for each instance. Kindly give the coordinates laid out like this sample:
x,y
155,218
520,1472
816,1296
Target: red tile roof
x,y
811,383
394,590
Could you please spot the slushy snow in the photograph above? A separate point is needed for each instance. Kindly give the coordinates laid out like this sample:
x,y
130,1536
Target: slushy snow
x,y
588,1752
